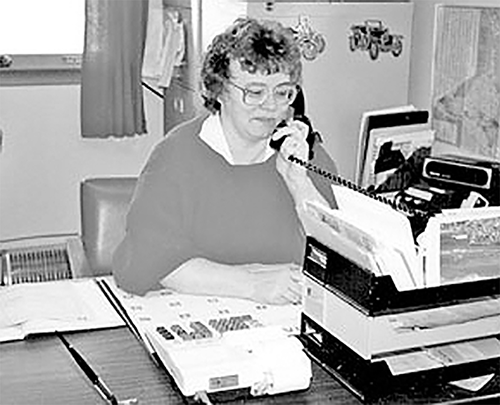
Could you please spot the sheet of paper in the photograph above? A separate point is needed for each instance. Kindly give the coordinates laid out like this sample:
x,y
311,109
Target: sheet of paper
x,y
446,315
443,355
66,305
339,235
390,227
474,383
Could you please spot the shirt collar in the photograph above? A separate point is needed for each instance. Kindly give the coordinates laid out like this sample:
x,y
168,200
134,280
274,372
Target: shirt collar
x,y
212,134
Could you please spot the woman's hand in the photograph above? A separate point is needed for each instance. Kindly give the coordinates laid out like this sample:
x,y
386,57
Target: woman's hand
x,y
266,283
294,144
277,284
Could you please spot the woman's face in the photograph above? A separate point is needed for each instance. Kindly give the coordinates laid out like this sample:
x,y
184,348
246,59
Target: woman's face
x,y
253,123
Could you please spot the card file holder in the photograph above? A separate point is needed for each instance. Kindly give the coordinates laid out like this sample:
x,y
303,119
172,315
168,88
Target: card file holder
x,y
378,295
339,293
35,264
42,258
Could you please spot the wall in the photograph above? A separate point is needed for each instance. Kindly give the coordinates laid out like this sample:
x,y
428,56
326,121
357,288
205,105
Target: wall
x,y
420,83
44,159
340,84
422,47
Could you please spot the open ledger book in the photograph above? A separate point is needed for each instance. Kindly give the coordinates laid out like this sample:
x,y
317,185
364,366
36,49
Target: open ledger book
x,y
64,305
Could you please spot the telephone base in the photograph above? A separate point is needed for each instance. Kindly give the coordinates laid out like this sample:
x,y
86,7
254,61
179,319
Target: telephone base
x,y
258,361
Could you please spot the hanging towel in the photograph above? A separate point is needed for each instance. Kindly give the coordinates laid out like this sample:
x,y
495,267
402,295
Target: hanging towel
x,y
165,45
154,41
173,50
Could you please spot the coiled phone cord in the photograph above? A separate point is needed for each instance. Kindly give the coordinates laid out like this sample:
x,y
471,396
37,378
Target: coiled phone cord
x,y
418,219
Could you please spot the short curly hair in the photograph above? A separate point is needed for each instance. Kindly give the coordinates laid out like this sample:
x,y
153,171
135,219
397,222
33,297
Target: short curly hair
x,y
260,46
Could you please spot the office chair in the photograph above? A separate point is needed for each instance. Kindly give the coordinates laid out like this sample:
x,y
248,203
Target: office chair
x,y
104,203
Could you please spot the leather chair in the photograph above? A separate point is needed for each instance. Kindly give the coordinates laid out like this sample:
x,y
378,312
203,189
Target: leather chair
x,y
104,203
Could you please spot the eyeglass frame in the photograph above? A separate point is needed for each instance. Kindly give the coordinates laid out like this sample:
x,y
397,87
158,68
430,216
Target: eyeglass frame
x,y
245,91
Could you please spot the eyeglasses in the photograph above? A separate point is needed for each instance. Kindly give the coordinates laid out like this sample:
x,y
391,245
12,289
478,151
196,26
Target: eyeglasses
x,y
256,94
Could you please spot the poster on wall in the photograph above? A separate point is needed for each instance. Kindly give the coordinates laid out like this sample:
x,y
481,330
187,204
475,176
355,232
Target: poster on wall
x,y
466,79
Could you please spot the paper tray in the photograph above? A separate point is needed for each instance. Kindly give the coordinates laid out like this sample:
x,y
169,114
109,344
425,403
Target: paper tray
x,y
377,295
372,381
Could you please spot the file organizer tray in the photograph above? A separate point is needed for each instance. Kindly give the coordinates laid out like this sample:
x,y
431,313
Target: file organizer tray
x,y
357,325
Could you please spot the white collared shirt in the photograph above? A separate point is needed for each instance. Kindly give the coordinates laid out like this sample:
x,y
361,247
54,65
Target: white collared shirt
x,y
212,134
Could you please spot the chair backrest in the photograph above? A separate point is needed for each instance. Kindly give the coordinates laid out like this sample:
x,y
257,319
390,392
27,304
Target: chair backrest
x,y
104,205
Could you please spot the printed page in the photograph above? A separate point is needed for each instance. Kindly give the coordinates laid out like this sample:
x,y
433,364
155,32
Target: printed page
x,y
44,307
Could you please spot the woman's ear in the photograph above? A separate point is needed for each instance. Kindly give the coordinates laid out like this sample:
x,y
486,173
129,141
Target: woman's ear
x,y
224,95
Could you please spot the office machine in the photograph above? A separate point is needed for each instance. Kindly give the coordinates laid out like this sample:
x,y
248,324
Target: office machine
x,y
451,181
221,346
231,355
464,171
378,340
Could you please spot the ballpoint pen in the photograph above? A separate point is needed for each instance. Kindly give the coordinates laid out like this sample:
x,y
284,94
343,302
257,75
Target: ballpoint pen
x,y
98,383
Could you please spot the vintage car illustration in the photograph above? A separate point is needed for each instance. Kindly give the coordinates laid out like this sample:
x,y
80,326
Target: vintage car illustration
x,y
374,37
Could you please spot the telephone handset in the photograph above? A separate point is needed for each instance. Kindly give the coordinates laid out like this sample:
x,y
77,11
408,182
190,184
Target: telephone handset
x,y
418,219
298,114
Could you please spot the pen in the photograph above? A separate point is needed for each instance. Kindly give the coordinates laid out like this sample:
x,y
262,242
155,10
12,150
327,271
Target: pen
x,y
98,383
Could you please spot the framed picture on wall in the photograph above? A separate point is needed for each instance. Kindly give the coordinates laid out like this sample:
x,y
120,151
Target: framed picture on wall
x,y
466,80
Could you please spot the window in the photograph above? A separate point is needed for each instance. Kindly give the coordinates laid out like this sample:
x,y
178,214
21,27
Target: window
x,y
43,40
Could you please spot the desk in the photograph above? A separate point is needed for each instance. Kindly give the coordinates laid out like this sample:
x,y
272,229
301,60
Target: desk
x,y
41,371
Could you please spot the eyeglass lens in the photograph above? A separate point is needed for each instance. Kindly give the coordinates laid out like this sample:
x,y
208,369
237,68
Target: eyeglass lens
x,y
255,95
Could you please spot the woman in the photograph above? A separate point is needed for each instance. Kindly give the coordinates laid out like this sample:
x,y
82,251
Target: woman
x,y
216,209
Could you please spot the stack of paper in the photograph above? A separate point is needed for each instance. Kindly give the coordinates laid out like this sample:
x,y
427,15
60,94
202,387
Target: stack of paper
x,y
369,233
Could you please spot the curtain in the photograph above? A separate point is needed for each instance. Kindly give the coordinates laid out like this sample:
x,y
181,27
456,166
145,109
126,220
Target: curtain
x,y
111,90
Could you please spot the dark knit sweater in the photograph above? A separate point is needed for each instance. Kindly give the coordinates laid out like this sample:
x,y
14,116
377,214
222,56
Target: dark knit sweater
x,y
190,202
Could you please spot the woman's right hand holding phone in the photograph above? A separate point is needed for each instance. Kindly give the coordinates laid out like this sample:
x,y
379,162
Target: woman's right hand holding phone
x,y
293,142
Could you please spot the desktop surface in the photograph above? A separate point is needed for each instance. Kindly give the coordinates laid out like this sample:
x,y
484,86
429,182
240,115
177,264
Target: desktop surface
x,y
40,371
